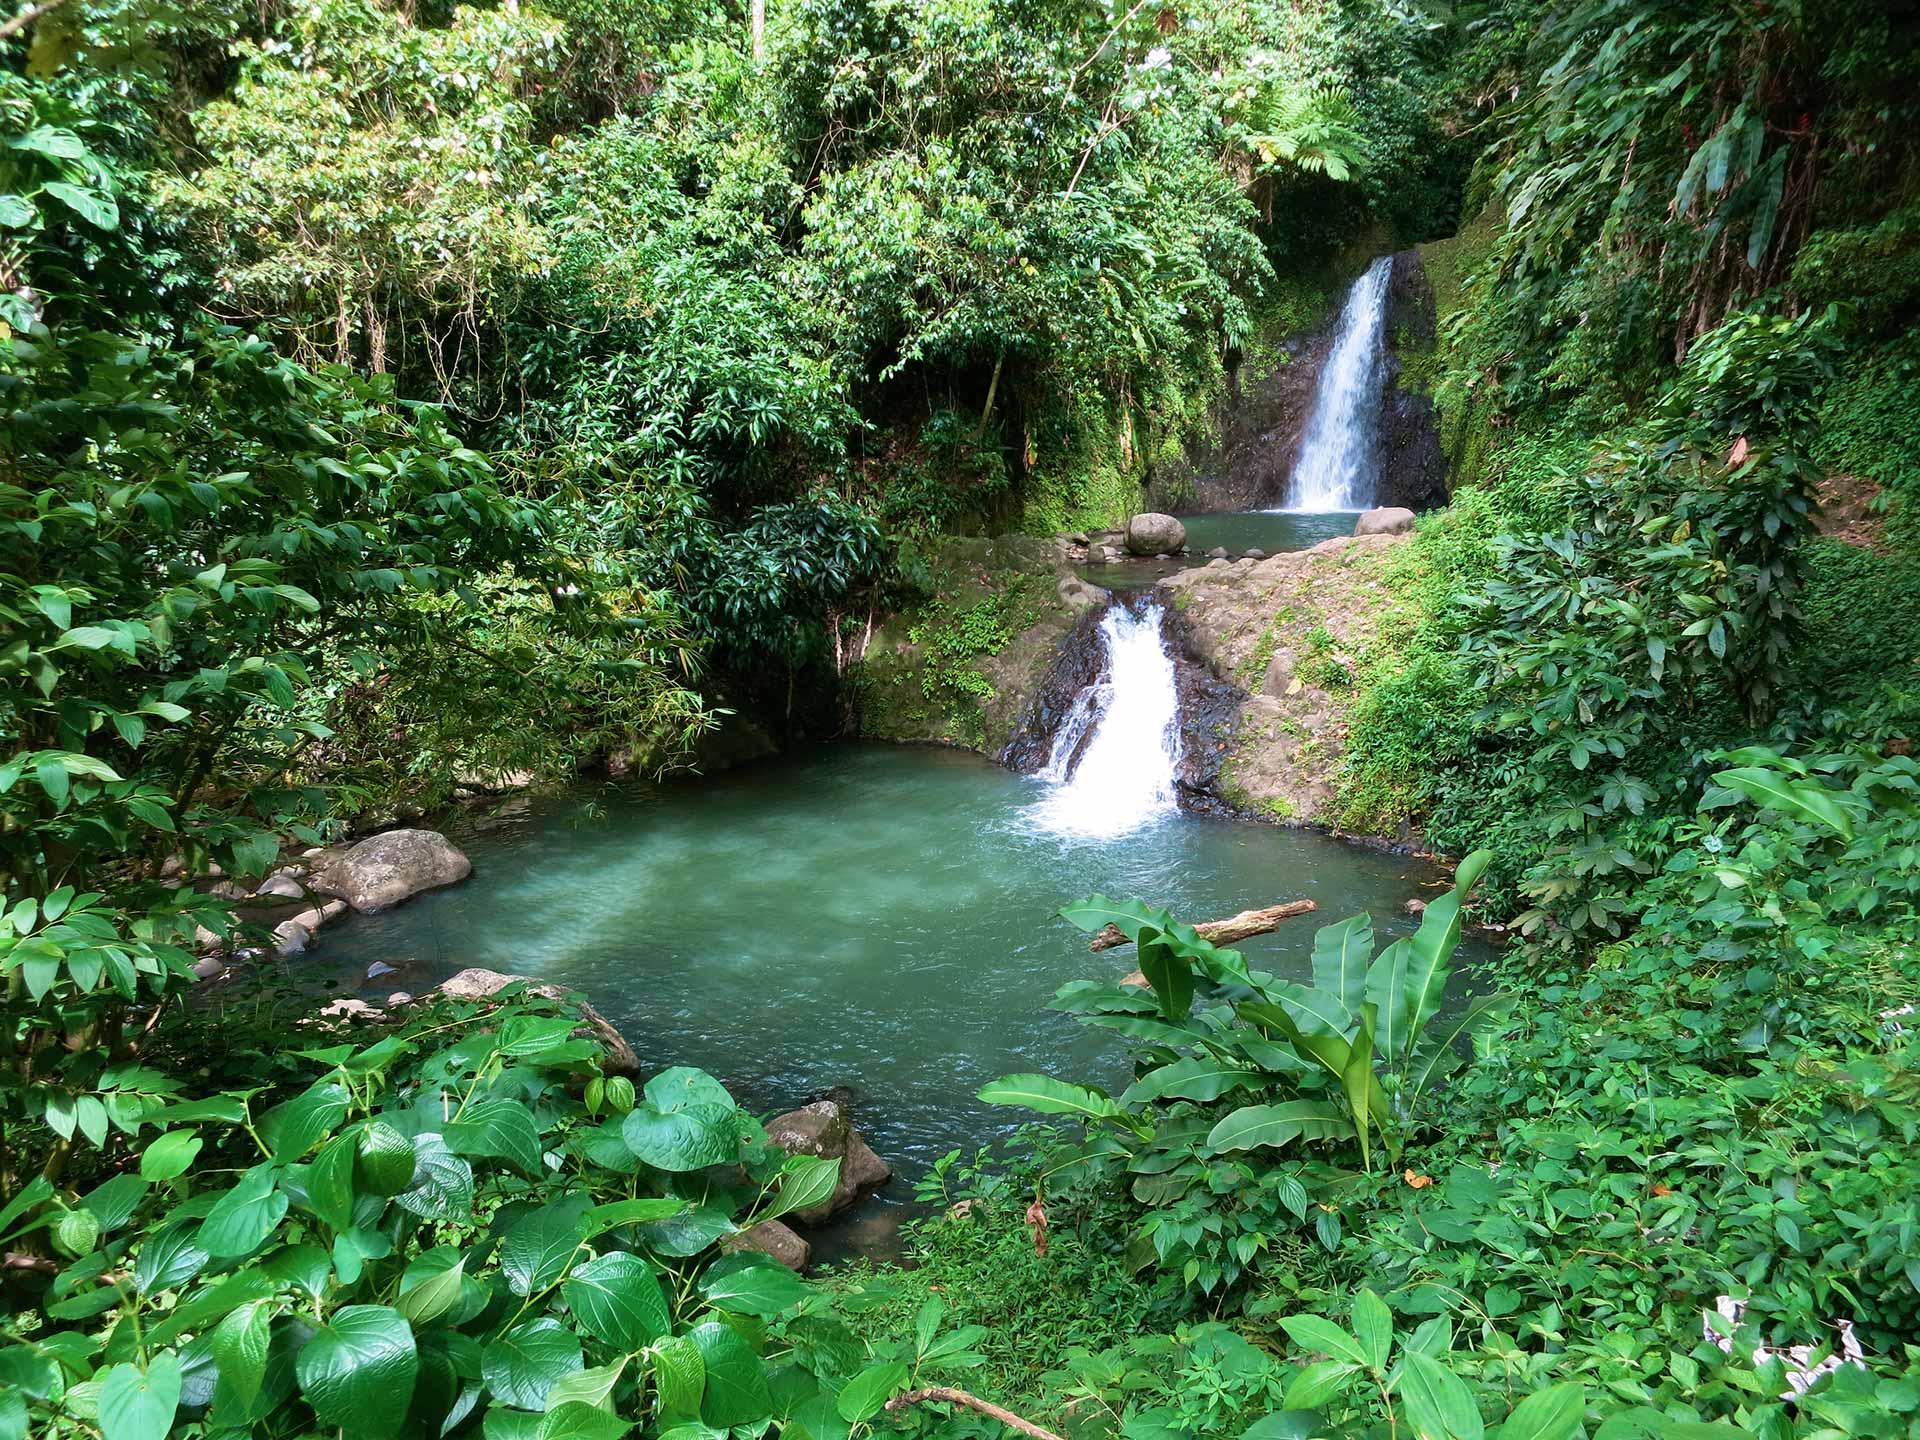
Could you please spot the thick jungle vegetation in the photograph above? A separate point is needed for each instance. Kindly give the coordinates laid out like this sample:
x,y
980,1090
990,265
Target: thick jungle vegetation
x,y
398,391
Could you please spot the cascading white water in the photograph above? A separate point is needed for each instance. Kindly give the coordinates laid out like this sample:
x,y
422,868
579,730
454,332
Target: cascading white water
x,y
1125,774
1340,457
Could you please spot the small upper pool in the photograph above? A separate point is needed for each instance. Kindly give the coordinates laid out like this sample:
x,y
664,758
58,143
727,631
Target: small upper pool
x,y
1273,531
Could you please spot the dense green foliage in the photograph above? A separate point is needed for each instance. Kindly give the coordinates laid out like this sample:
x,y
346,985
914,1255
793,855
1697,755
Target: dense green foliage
x,y
398,392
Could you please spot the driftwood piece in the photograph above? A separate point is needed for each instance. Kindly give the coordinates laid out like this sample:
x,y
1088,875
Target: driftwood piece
x,y
973,1402
1222,932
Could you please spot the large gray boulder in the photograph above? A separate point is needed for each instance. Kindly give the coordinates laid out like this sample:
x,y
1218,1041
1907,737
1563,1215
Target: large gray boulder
x,y
387,868
1387,520
825,1129
478,984
1155,534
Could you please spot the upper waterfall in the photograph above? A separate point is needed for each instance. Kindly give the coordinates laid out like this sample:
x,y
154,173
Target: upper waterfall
x,y
1339,464
1115,754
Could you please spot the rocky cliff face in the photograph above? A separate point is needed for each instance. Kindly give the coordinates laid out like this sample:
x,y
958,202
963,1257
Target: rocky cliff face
x,y
1413,469
1257,429
1287,632
1266,652
961,668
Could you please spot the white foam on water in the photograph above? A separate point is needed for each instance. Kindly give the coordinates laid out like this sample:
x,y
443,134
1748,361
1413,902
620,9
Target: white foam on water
x,y
1124,777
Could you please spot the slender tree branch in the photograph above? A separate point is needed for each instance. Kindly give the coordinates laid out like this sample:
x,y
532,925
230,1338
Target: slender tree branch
x,y
26,17
948,1395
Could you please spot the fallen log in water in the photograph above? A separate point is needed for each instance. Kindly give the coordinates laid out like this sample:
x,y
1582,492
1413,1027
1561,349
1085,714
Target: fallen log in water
x,y
1222,932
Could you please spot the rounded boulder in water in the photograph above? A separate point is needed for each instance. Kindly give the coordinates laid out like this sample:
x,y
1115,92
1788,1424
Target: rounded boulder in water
x,y
1386,520
1155,534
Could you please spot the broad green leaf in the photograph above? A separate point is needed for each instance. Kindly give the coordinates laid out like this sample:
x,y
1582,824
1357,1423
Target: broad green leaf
x,y
138,1404
1555,1413
696,1135
1315,1332
540,1245
1340,956
1286,1425
736,1392
498,1126
1357,1080
592,1388
169,1156
1275,1126
613,1215
1049,1096
168,1257
679,1376
1438,1402
1167,972
1803,799
239,1345
93,206
1315,1384
242,1218
1201,1078
616,1298
866,1394
442,1182
804,1182
749,1284
681,1086
1373,1327
575,1420
431,1286
358,1370
522,1365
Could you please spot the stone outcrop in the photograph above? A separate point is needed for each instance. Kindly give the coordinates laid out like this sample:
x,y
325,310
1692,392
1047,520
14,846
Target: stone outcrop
x,y
478,984
772,1238
1152,533
385,869
1385,520
1287,632
1034,587
825,1129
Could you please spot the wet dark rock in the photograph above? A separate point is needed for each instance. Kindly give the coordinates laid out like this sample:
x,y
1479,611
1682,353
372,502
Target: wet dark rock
x,y
1413,469
825,1129
1209,711
1075,665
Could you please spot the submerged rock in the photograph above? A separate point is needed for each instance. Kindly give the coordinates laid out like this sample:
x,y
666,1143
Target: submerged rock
x,y
475,983
1155,534
825,1129
396,865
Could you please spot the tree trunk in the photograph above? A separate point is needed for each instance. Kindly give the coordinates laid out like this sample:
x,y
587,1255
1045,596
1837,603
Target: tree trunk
x,y
759,23
1222,932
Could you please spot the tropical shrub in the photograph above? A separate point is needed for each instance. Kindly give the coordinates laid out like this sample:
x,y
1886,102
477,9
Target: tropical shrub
x,y
463,1226
1272,1065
